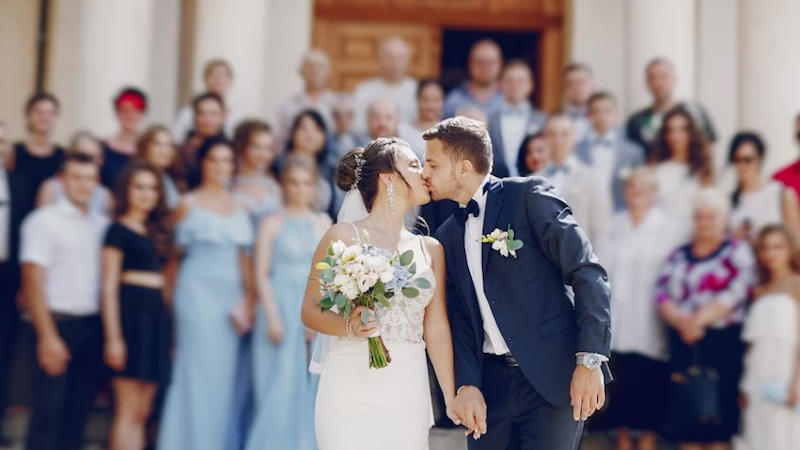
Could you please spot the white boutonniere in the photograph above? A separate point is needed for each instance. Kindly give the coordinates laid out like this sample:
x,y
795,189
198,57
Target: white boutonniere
x,y
503,242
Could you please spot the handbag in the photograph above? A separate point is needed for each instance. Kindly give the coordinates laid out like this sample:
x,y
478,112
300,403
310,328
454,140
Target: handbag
x,y
694,398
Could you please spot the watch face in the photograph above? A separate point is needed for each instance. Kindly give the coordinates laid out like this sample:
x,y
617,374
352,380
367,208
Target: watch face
x,y
592,361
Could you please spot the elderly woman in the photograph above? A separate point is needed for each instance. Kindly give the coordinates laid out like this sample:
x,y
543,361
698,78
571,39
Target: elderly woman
x,y
642,237
702,291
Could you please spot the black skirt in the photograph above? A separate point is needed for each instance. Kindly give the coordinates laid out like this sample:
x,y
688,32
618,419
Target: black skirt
x,y
721,350
636,398
146,330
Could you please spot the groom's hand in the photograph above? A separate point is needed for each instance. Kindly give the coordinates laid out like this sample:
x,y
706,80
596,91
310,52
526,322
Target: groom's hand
x,y
587,392
470,406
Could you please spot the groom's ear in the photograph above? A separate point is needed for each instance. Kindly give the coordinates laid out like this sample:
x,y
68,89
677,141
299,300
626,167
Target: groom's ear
x,y
465,167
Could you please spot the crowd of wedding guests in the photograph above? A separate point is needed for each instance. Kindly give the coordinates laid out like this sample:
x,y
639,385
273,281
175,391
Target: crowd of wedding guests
x,y
171,260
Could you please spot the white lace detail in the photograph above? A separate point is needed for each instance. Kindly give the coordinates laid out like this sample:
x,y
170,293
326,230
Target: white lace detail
x,y
403,320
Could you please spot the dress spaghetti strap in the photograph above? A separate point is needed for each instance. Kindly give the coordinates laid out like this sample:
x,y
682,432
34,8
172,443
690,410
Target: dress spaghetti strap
x,y
355,229
424,250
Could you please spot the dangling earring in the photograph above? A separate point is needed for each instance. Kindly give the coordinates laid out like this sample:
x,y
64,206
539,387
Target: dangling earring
x,y
390,194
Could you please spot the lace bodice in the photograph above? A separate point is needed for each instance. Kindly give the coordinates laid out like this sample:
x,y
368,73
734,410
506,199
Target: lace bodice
x,y
403,320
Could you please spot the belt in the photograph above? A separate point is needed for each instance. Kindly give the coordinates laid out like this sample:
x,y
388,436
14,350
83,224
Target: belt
x,y
64,317
506,359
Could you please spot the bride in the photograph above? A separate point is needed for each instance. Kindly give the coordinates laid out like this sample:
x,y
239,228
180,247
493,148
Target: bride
x,y
389,408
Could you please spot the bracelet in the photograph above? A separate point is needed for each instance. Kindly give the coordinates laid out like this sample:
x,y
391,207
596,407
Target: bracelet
x,y
348,328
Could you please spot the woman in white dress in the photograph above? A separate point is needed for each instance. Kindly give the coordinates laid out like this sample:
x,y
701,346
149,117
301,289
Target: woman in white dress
x,y
389,408
682,164
641,239
758,202
771,383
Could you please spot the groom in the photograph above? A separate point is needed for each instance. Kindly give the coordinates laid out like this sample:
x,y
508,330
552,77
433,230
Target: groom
x,y
530,361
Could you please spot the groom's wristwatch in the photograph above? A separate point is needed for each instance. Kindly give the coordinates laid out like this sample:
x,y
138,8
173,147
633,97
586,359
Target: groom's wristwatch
x,y
590,360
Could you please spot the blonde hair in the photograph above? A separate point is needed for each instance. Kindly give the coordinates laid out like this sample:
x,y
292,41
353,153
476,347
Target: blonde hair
x,y
714,198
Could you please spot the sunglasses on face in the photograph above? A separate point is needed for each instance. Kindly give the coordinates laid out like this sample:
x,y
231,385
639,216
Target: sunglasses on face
x,y
744,160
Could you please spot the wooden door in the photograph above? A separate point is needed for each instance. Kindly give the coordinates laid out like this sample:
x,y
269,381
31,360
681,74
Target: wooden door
x,y
351,30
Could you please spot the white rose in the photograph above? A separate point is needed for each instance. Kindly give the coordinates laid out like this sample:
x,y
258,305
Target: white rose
x,y
501,247
375,262
350,253
387,275
338,248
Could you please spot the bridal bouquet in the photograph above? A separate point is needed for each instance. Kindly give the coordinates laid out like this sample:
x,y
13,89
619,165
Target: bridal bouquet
x,y
364,275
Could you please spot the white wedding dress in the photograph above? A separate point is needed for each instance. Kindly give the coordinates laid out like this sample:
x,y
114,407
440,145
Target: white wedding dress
x,y
771,331
359,408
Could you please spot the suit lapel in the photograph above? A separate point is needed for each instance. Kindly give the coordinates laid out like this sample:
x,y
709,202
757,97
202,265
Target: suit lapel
x,y
493,202
464,276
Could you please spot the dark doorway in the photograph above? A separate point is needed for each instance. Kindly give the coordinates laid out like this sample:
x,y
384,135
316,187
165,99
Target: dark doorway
x,y
515,45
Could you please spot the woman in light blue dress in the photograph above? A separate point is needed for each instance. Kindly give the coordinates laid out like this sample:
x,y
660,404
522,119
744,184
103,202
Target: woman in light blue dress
x,y
284,388
253,186
212,286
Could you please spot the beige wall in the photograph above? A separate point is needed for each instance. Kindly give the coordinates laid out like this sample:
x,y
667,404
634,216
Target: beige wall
x,y
739,58
18,28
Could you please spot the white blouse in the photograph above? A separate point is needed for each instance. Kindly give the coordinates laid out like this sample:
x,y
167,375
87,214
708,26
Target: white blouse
x,y
637,252
759,208
676,192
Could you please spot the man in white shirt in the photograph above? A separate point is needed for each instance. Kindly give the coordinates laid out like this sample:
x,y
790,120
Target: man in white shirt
x,y
606,149
315,69
575,182
515,119
394,83
578,87
60,256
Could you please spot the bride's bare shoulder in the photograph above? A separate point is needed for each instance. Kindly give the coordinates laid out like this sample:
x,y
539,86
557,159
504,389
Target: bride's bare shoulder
x,y
341,231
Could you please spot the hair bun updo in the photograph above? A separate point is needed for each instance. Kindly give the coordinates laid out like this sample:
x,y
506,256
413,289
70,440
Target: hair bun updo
x,y
346,170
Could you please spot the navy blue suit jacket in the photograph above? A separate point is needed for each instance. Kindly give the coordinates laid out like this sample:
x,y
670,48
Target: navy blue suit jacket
x,y
527,294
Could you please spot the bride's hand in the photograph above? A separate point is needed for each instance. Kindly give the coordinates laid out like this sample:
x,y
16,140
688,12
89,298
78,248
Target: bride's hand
x,y
359,329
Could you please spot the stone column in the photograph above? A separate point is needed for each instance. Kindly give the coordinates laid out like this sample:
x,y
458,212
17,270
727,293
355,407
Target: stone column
x,y
769,71
236,31
659,28
97,47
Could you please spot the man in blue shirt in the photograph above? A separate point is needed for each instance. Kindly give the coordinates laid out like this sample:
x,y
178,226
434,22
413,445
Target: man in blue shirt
x,y
482,89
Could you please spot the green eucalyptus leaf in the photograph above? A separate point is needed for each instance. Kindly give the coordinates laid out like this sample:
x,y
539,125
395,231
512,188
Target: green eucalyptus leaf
x,y
340,300
330,249
326,276
406,258
384,302
412,269
326,302
364,316
423,283
389,294
410,292
379,288
514,245
510,234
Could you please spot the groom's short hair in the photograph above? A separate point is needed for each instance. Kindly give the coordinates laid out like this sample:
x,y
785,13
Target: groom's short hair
x,y
464,138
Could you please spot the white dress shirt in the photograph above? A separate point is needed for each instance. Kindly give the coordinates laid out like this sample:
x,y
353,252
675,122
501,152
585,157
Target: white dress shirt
x,y
513,126
5,216
66,242
636,255
603,151
493,341
403,93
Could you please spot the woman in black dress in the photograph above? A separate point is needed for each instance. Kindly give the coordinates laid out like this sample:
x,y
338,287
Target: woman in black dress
x,y
135,318
37,158
130,107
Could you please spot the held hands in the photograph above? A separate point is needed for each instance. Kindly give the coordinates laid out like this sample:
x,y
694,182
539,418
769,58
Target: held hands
x,y
469,409
53,355
691,330
116,354
359,329
587,392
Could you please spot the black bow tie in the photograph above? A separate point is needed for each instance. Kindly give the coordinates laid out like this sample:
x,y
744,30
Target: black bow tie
x,y
471,208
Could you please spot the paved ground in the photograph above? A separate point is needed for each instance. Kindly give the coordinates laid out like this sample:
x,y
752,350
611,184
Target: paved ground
x,y
441,439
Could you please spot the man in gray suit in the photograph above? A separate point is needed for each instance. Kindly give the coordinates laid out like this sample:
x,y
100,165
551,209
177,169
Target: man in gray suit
x,y
515,119
606,149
